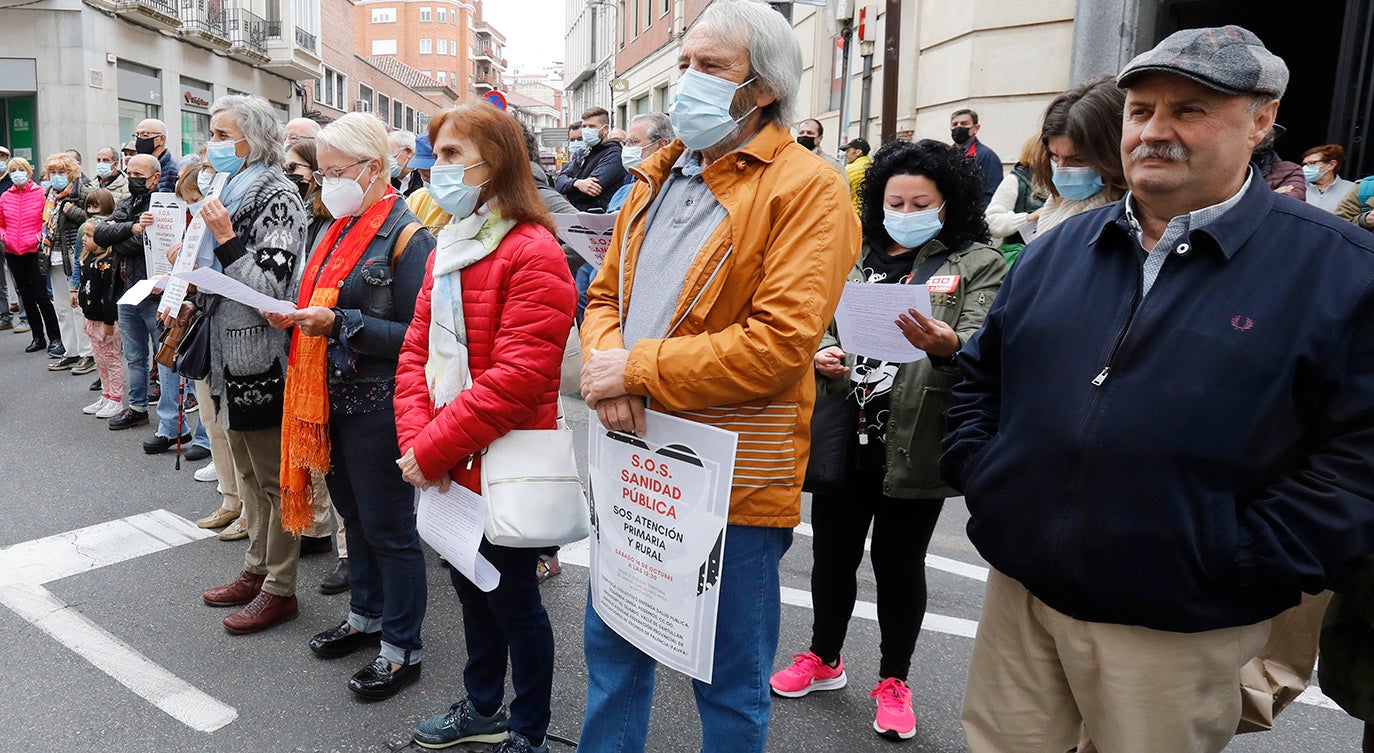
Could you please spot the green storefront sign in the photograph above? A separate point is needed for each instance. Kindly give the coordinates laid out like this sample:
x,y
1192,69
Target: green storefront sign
x,y
20,135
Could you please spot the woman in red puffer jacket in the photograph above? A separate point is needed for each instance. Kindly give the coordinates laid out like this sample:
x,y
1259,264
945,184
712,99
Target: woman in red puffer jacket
x,y
21,222
499,278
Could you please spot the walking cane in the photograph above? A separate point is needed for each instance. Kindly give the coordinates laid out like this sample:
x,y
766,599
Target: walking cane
x,y
181,414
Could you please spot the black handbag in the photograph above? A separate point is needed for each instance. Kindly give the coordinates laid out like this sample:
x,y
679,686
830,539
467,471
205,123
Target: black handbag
x,y
193,352
834,424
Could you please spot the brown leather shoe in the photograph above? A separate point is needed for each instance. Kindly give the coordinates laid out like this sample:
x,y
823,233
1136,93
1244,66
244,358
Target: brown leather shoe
x,y
264,611
240,592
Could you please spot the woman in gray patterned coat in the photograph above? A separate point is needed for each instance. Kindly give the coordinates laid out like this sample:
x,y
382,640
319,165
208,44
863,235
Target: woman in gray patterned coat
x,y
256,234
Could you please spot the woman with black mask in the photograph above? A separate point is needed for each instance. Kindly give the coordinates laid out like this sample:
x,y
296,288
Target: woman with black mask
x,y
301,164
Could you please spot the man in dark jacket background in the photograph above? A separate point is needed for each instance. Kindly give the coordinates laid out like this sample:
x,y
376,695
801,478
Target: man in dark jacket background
x,y
1158,451
963,130
590,185
151,138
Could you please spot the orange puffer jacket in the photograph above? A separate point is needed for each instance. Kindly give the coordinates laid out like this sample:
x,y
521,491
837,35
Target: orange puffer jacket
x,y
754,305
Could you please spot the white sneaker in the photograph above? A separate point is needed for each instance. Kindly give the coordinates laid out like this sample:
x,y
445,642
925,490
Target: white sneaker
x,y
95,407
112,408
208,473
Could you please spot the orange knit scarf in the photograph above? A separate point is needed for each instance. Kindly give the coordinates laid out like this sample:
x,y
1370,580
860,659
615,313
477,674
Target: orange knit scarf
x,y
305,415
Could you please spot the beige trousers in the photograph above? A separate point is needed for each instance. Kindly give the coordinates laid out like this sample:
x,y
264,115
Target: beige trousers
x,y
219,448
271,550
1039,676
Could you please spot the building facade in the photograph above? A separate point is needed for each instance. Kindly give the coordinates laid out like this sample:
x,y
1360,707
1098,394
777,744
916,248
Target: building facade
x,y
589,56
83,74
447,41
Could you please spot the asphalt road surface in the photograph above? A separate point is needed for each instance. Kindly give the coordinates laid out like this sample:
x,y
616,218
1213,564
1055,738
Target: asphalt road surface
x,y
107,647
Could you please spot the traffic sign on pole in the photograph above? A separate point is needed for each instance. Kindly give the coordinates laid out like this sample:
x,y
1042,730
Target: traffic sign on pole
x,y
497,99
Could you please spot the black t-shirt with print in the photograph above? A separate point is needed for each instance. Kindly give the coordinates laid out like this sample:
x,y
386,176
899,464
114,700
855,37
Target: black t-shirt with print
x,y
870,381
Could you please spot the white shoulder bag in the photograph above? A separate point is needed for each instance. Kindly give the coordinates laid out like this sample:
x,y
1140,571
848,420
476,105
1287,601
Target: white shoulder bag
x,y
535,497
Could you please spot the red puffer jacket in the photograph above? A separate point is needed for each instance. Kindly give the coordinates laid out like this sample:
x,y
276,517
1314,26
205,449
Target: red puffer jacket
x,y
518,303
21,219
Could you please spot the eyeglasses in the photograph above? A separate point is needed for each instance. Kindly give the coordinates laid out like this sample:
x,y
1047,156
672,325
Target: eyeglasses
x,y
336,172
146,135
292,167
1305,163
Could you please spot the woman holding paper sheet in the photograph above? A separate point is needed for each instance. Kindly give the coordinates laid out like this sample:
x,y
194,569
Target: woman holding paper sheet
x,y
255,233
355,299
483,357
923,224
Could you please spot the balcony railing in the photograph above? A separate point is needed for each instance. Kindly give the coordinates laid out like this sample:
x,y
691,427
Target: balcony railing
x,y
163,10
248,31
274,29
207,17
305,40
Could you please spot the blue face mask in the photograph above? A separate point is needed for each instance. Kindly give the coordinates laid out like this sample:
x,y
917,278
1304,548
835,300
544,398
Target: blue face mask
x,y
591,137
1311,173
203,180
224,156
45,184
60,182
1077,183
913,229
194,207
102,169
631,156
701,110
393,166
448,190
577,147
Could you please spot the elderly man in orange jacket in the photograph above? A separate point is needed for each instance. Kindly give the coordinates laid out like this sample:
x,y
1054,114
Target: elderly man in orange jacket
x,y
724,271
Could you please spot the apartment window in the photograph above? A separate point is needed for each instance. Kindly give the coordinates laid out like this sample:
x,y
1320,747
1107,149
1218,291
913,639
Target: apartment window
x,y
383,15
383,47
453,18
642,105
443,15
443,46
410,119
667,6
637,18
661,99
427,46
453,47
622,24
397,113
383,106
365,95
331,89
452,78
425,14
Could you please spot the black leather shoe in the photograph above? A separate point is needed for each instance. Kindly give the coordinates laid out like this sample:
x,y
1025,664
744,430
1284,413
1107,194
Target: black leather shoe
x,y
159,444
338,641
336,582
376,681
36,346
195,452
316,545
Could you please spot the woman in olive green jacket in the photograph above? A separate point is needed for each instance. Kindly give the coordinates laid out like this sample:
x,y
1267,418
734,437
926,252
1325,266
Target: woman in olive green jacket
x,y
923,223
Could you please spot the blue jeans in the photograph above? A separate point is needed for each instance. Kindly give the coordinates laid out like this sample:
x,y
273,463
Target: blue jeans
x,y
736,706
585,273
139,329
509,622
386,567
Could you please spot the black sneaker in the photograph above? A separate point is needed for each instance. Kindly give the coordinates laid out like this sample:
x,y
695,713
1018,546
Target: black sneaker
x,y
194,452
159,444
129,419
518,743
460,724
95,386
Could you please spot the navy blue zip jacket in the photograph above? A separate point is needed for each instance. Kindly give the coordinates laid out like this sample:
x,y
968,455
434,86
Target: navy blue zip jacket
x,y
1188,461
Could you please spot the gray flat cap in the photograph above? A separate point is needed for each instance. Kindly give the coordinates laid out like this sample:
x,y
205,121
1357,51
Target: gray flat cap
x,y
1229,59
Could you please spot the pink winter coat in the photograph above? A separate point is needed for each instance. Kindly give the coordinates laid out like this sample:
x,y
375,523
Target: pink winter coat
x,y
21,218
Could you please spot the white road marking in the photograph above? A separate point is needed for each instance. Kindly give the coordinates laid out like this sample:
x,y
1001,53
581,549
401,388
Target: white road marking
x,y
25,567
579,554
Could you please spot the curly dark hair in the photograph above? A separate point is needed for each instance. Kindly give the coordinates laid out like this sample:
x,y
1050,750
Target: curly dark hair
x,y
956,175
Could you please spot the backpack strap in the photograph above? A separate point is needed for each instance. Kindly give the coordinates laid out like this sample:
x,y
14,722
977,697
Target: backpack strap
x,y
402,242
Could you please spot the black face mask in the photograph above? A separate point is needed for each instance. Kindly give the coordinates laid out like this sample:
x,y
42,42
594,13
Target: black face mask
x,y
808,142
138,188
144,146
960,135
302,185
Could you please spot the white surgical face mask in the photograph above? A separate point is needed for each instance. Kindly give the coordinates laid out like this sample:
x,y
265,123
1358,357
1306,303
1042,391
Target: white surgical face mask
x,y
343,197
701,110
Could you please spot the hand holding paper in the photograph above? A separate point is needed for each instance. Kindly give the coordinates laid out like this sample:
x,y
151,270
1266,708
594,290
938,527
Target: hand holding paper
x,y
210,281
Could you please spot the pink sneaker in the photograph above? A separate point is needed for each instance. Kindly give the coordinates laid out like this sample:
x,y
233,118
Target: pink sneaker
x,y
895,719
807,673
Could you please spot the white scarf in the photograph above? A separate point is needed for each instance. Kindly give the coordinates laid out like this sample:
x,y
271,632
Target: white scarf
x,y
461,244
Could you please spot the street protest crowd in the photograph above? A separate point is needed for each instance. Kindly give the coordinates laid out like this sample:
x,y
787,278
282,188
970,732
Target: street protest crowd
x,y
1165,460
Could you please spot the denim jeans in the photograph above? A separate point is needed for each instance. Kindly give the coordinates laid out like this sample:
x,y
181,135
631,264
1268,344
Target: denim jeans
x,y
386,567
139,328
509,622
583,280
735,707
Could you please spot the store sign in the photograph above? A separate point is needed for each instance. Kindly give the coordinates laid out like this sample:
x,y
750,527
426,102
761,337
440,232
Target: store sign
x,y
192,99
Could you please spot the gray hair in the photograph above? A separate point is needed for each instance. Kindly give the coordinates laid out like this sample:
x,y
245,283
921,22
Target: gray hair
x,y
358,135
775,59
401,140
660,125
258,123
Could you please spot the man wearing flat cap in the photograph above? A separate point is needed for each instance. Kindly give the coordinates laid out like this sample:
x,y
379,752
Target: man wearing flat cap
x,y
1164,429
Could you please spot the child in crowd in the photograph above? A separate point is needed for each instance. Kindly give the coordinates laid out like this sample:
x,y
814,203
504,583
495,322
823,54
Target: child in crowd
x,y
96,296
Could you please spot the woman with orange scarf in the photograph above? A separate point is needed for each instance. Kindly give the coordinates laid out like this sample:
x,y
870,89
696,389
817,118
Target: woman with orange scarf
x,y
356,298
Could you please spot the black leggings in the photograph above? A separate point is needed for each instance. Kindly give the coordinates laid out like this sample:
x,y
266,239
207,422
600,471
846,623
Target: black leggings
x,y
32,287
901,534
